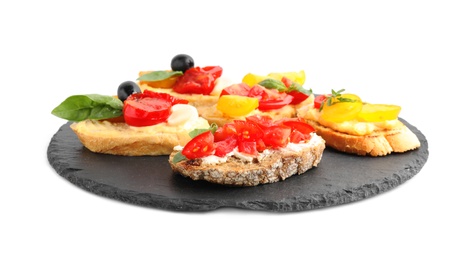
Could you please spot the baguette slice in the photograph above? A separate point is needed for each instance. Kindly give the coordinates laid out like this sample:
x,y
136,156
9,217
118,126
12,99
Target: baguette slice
x,y
118,138
395,137
379,143
269,167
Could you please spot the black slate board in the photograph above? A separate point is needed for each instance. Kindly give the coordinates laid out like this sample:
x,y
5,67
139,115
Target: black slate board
x,y
148,181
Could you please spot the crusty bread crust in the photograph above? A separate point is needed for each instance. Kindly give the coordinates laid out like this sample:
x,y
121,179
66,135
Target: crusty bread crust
x,y
274,167
379,143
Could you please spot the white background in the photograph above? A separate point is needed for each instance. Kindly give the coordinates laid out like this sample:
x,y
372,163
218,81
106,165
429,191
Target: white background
x,y
399,52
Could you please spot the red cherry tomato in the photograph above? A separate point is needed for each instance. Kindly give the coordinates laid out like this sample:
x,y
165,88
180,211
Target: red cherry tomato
x,y
200,146
198,80
141,109
225,146
241,89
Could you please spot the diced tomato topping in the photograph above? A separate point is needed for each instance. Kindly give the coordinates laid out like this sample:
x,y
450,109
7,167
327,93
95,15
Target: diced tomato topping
x,y
225,146
276,136
248,147
263,121
253,135
224,132
248,131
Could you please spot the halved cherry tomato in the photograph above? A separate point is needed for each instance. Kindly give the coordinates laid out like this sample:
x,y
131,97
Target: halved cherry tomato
x,y
277,136
378,112
234,105
198,80
241,89
225,146
145,109
200,146
343,108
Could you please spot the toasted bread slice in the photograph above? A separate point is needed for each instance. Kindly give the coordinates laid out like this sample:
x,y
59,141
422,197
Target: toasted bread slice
x,y
119,138
378,143
361,138
269,167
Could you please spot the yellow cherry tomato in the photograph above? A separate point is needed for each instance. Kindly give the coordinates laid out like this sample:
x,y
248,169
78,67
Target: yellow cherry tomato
x,y
378,112
166,83
252,79
343,108
233,105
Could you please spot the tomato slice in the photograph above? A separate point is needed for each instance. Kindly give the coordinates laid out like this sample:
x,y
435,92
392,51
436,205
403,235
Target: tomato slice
x,y
378,112
140,109
241,89
165,96
269,99
225,146
198,80
200,146
266,105
277,136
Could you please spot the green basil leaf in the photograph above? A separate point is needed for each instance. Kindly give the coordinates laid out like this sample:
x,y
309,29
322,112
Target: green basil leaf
x,y
92,106
199,131
159,75
273,84
178,157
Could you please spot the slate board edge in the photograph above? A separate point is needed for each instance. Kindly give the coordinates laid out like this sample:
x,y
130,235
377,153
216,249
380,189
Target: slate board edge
x,y
287,205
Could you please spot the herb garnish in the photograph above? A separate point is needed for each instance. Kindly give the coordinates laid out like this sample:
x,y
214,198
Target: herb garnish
x,y
279,85
159,75
337,96
92,106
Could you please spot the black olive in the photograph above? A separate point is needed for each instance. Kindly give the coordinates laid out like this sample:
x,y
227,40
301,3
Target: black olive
x,y
182,62
126,89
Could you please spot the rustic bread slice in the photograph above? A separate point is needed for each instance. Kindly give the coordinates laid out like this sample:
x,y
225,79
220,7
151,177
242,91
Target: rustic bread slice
x,y
378,143
269,167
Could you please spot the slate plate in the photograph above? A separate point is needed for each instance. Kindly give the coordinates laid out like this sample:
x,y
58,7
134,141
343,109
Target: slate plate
x,y
148,181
